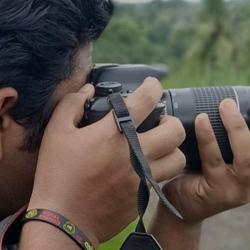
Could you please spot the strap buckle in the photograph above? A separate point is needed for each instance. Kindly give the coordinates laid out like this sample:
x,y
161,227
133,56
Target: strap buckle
x,y
120,120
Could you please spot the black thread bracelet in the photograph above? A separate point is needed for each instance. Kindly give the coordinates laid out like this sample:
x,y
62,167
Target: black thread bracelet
x,y
60,222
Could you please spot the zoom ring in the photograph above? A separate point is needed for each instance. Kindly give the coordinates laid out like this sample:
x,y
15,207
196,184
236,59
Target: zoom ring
x,y
207,101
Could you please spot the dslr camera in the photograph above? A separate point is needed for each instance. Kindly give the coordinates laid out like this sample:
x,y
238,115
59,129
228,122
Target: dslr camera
x,y
184,104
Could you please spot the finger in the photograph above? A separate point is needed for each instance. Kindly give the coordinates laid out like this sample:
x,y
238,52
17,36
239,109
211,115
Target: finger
x,y
209,150
70,110
169,166
144,100
163,139
237,130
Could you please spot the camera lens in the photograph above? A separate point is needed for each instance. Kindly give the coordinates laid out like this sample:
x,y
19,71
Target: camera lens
x,y
187,103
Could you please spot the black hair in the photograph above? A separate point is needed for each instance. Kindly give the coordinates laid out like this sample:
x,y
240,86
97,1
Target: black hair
x,y
38,41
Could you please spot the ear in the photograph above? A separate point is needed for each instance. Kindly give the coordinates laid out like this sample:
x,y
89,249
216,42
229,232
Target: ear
x,y
8,98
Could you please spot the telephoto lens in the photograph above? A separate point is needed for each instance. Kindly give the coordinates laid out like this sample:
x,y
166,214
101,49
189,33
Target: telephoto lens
x,y
187,103
184,104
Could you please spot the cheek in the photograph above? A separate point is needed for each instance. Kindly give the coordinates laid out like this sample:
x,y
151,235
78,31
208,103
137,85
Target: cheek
x,y
17,170
20,171
15,163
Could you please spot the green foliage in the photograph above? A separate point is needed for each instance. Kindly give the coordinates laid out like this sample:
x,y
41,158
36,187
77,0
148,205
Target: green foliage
x,y
214,8
203,43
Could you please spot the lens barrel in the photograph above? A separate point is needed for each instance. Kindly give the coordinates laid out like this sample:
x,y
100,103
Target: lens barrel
x,y
187,103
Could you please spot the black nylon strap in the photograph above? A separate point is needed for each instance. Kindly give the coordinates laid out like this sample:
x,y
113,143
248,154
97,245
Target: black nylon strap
x,y
140,164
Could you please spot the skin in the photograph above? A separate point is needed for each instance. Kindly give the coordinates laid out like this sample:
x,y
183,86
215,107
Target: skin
x,y
19,172
69,177
91,174
221,186
68,153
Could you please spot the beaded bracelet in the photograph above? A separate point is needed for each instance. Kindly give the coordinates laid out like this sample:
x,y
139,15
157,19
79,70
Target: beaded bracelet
x,y
60,222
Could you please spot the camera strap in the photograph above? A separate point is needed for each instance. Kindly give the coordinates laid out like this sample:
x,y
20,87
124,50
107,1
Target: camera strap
x,y
140,239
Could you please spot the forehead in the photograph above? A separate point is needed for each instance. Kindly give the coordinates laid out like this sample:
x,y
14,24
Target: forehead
x,y
82,65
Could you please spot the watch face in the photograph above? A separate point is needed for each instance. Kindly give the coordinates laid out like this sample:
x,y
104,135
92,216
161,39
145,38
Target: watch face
x,y
141,241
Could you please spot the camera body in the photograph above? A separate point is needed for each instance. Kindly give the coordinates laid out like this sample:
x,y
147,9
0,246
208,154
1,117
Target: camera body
x,y
123,79
184,104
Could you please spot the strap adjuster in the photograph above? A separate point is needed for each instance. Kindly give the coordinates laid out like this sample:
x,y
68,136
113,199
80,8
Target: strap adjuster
x,y
120,120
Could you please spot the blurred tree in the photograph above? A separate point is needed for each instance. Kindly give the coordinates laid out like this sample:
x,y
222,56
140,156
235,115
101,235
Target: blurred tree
x,y
125,42
201,41
214,8
214,13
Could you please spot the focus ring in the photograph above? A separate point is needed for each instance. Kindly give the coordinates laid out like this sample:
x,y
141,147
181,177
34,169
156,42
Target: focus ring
x,y
207,101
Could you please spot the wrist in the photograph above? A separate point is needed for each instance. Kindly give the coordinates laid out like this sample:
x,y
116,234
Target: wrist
x,y
34,234
79,218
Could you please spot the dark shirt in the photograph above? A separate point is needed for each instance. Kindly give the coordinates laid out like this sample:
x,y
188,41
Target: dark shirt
x,y
10,229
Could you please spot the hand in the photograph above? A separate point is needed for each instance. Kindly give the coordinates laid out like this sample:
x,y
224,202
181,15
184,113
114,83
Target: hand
x,y
222,186
85,173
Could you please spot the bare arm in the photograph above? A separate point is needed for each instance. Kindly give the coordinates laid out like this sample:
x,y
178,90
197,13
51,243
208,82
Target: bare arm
x,y
70,178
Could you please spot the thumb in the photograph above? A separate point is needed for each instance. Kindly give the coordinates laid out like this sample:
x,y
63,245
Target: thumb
x,y
70,110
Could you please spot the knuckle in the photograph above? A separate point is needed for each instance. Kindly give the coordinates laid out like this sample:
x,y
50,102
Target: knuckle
x,y
243,162
145,148
173,131
179,130
150,99
129,105
237,123
181,158
152,88
217,161
164,119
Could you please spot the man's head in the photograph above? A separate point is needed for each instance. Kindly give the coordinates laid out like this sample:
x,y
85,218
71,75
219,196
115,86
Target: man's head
x,y
45,53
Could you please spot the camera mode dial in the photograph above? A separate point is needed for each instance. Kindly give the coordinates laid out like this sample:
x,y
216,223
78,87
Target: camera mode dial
x,y
107,88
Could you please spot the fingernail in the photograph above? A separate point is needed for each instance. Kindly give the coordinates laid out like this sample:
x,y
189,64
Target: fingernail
x,y
229,106
204,120
150,78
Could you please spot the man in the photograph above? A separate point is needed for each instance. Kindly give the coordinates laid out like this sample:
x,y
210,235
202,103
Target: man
x,y
85,174
45,49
